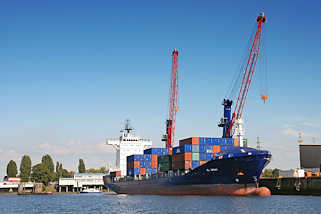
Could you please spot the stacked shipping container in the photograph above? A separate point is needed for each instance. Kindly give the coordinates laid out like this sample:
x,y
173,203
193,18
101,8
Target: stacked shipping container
x,y
196,151
146,163
191,153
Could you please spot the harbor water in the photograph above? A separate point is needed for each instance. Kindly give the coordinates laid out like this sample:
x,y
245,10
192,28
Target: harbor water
x,y
106,203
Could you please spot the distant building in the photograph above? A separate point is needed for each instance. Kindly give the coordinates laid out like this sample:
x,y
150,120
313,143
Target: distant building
x,y
80,181
310,157
128,144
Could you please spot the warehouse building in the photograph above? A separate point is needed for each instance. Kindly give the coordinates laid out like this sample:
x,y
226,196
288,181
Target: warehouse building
x,y
81,181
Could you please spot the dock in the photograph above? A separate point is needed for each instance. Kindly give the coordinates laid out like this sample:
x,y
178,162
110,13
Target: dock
x,y
293,185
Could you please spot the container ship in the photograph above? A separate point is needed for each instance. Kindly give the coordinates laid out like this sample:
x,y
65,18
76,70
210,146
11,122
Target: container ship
x,y
200,165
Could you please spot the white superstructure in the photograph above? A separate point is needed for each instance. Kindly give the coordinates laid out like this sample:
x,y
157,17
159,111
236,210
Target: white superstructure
x,y
128,144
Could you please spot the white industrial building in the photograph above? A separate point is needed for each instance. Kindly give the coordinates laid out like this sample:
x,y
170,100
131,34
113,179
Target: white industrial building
x,y
128,144
80,181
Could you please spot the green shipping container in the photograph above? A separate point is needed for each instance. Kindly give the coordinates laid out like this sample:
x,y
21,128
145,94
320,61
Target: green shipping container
x,y
195,156
245,142
165,163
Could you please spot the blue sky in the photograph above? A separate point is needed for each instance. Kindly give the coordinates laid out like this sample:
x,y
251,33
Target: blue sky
x,y
72,72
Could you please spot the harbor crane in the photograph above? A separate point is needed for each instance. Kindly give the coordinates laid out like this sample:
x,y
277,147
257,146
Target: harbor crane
x,y
171,121
233,126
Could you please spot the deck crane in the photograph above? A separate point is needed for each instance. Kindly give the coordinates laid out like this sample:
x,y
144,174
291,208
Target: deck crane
x,y
234,126
171,121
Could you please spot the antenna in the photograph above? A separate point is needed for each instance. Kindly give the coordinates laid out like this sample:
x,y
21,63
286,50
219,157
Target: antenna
x,y
300,140
258,143
128,128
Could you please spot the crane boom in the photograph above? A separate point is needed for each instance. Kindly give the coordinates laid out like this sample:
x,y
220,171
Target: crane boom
x,y
171,121
227,122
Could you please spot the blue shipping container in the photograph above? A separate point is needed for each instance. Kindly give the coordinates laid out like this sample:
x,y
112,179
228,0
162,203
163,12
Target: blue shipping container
x,y
203,156
208,140
176,150
229,142
216,141
164,151
203,148
148,164
202,140
209,156
195,164
186,148
148,171
152,151
209,149
136,171
154,171
182,149
134,158
147,157
195,148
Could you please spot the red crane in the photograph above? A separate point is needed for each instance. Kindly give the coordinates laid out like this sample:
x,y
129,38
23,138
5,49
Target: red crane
x,y
170,122
247,76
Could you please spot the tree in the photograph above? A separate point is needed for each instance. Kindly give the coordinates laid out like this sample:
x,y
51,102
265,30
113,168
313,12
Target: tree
x,y
275,173
25,168
267,173
65,173
81,166
100,170
48,163
41,174
12,169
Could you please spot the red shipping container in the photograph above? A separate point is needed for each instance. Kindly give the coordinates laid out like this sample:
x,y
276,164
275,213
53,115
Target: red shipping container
x,y
130,165
236,142
191,140
188,164
216,149
142,171
195,140
154,164
136,164
154,157
115,174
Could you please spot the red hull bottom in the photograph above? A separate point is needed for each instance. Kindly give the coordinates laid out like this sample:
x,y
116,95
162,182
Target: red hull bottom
x,y
202,189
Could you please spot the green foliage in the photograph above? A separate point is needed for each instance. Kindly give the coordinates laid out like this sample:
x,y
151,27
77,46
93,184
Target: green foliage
x,y
41,174
275,173
12,170
61,172
100,170
25,168
81,166
271,173
48,162
66,174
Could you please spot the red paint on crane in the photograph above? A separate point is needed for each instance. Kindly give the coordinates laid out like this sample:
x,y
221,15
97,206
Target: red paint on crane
x,y
171,122
247,74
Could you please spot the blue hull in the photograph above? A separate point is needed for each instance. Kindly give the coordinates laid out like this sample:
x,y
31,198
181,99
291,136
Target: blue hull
x,y
234,171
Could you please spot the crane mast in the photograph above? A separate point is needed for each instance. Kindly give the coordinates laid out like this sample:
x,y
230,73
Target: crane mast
x,y
234,125
171,121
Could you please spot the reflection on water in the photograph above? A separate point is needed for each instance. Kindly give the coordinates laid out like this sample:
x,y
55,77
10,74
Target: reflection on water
x,y
106,203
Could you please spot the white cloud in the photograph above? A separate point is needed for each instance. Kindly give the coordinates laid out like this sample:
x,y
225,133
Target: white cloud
x,y
311,124
95,154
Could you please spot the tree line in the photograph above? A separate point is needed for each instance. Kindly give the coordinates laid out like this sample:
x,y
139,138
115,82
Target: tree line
x,y
45,171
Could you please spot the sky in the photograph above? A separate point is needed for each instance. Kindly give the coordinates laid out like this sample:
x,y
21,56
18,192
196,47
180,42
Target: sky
x,y
71,72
